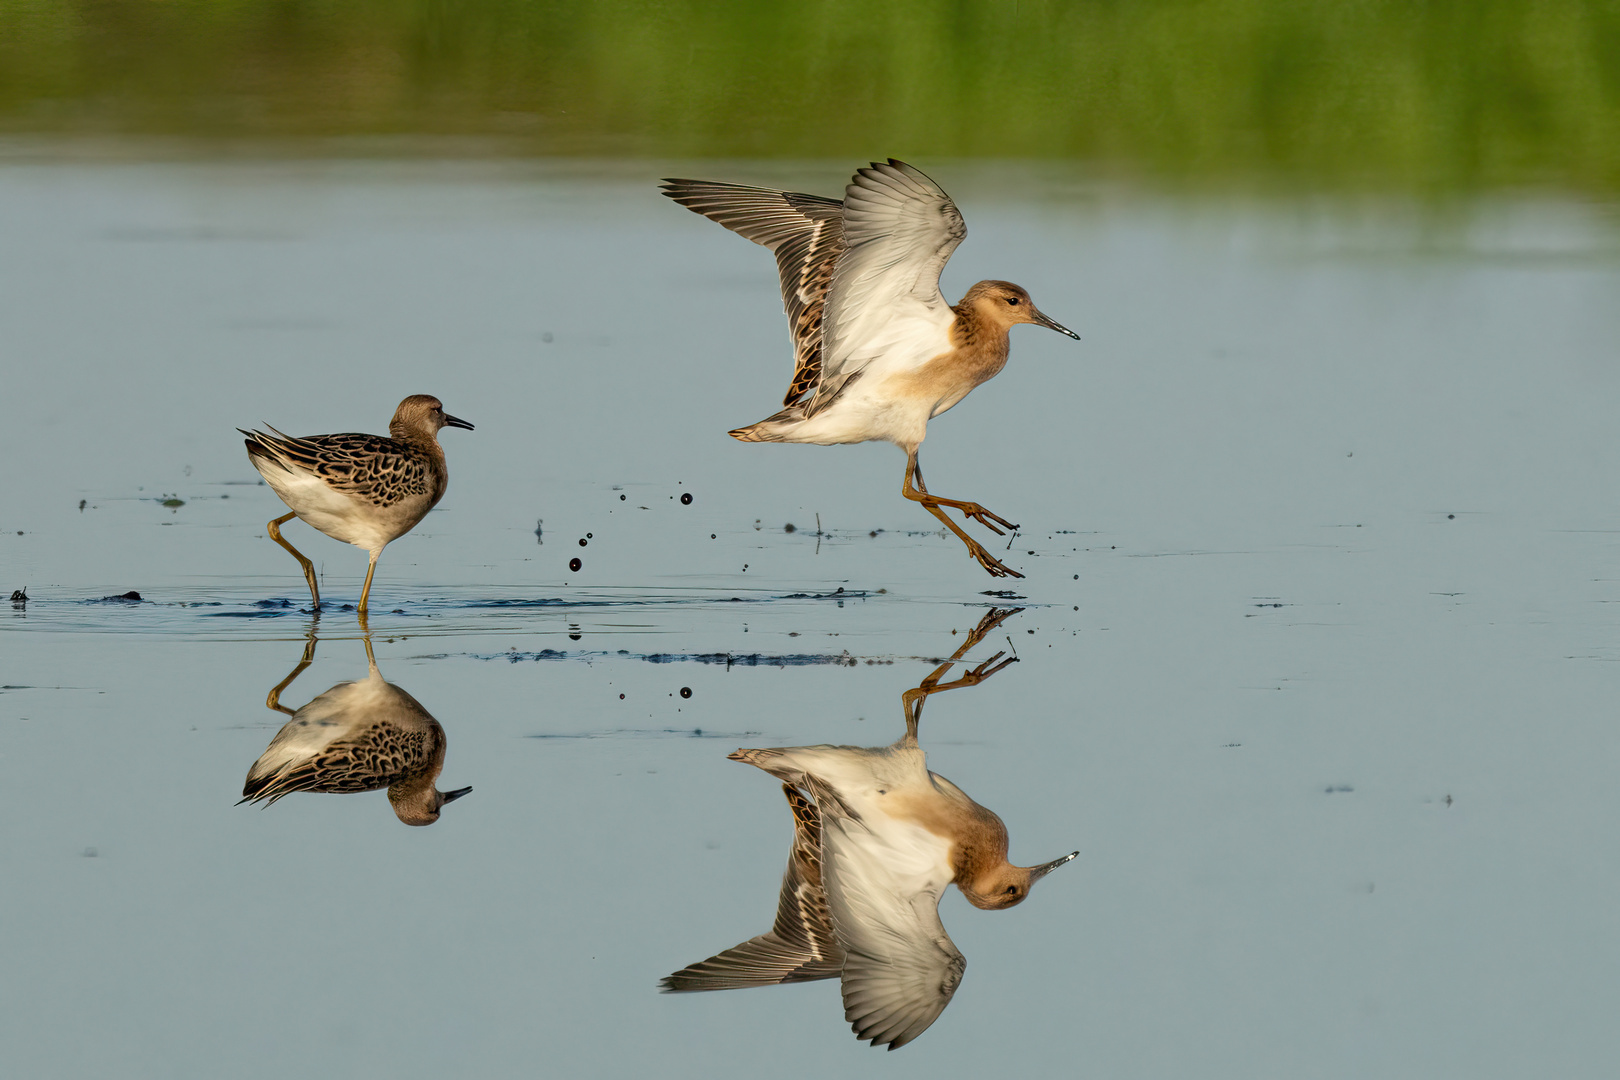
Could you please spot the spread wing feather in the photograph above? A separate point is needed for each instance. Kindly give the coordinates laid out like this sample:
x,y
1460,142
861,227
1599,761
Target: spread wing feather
x,y
801,947
901,968
884,300
806,232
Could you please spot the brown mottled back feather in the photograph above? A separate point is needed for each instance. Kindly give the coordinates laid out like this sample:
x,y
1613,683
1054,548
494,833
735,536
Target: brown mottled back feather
x,y
369,468
379,757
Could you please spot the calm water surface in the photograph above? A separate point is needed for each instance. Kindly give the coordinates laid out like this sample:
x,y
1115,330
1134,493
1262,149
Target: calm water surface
x,y
1315,656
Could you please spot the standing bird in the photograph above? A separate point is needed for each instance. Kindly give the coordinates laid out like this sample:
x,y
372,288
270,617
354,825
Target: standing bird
x,y
879,350
362,489
357,736
877,838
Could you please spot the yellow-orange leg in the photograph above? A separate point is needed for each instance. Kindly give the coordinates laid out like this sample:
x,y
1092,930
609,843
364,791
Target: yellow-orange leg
x,y
932,504
274,529
273,699
969,509
365,593
912,700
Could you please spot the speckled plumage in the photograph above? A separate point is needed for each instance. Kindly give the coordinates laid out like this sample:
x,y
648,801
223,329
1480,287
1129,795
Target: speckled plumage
x,y
358,736
366,490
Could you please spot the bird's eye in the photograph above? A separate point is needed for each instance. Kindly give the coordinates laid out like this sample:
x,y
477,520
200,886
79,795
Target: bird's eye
x,y
1012,890
1013,300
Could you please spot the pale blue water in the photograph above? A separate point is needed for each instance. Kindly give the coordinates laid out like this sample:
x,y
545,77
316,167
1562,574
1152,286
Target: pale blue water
x,y
1315,662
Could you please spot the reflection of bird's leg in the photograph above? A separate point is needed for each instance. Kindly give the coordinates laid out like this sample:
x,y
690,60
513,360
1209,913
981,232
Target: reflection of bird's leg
x,y
273,700
912,700
274,528
932,504
366,592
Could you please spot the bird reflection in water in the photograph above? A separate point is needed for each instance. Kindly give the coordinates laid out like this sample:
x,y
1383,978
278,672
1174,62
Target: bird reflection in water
x,y
357,736
876,839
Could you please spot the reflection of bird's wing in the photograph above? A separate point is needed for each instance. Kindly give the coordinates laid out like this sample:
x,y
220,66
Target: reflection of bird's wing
x,y
883,889
369,468
884,303
807,234
357,736
801,946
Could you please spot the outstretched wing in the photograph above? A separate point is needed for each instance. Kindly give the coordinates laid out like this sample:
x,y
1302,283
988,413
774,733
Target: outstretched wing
x,y
884,302
807,234
801,947
900,966
366,467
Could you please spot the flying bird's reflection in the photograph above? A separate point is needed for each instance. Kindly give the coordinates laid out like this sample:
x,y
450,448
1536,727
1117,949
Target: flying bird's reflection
x,y
877,838
357,736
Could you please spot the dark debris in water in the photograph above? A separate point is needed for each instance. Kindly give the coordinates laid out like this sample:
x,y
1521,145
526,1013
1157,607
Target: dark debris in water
x,y
547,602
131,597
730,660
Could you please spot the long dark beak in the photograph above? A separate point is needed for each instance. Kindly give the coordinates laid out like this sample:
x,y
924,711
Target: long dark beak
x,y
1053,324
452,796
456,421
1038,872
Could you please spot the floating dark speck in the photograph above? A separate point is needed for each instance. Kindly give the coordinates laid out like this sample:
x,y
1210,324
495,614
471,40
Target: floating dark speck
x,y
686,691
582,541
575,564
790,527
686,498
621,498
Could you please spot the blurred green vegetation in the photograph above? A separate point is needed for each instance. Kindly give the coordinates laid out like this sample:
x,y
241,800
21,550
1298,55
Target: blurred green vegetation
x,y
1380,94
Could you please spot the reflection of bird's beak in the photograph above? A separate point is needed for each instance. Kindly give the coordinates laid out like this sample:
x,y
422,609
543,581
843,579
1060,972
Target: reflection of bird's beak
x,y
1053,324
1038,872
452,796
456,421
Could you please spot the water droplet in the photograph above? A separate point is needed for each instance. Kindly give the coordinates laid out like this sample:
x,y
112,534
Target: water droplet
x,y
582,541
575,564
686,498
686,691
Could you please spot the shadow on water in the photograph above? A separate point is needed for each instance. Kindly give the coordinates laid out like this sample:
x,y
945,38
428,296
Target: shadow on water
x,y
363,735
877,838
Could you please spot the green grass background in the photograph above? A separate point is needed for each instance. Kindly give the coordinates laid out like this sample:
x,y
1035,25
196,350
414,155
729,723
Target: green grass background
x,y
1368,94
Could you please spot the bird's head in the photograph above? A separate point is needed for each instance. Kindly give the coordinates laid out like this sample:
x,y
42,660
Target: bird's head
x,y
1001,303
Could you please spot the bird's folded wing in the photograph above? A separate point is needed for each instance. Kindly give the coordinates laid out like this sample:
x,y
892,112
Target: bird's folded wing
x,y
884,301
352,463
805,232
900,967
